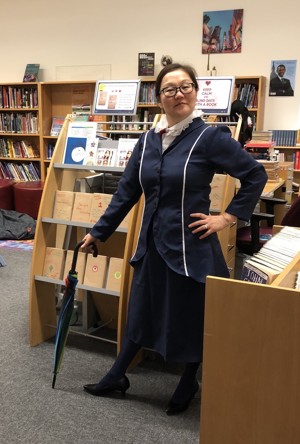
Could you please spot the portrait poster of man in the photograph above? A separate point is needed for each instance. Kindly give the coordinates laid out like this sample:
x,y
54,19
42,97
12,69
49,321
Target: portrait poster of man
x,y
222,31
282,78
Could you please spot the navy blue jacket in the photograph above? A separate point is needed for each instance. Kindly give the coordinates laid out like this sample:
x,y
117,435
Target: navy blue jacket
x,y
175,184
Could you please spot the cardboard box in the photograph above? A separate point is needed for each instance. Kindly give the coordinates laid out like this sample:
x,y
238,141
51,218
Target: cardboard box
x,y
82,207
63,205
80,265
100,202
95,271
54,263
114,275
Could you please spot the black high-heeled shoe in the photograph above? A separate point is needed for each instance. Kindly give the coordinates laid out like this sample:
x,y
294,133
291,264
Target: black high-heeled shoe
x,y
102,389
174,407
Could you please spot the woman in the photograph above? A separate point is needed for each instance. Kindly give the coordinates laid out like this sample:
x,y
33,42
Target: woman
x,y
173,166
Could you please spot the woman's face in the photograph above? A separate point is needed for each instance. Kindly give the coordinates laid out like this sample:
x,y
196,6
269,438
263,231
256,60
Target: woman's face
x,y
180,106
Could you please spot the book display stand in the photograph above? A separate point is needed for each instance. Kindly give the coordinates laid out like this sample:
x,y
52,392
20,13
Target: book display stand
x,y
109,305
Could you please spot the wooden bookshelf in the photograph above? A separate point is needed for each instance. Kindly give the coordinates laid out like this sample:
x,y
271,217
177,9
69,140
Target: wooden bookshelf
x,y
20,125
256,104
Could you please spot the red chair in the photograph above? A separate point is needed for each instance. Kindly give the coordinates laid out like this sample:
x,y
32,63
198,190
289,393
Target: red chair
x,y
6,194
27,196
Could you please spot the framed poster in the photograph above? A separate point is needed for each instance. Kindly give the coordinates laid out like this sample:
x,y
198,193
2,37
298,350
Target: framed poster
x,y
222,31
282,78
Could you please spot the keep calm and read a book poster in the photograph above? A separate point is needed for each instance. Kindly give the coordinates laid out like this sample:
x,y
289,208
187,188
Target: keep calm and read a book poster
x,y
222,31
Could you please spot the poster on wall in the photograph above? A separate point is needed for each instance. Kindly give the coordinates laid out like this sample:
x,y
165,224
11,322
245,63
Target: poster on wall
x,y
222,31
282,78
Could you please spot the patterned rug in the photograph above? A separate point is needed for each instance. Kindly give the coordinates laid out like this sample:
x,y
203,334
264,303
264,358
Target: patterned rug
x,y
21,245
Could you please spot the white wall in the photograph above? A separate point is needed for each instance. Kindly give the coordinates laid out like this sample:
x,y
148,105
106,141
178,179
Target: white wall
x,y
110,34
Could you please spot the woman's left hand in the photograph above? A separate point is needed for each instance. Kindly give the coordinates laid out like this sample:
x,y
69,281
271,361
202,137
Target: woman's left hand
x,y
207,224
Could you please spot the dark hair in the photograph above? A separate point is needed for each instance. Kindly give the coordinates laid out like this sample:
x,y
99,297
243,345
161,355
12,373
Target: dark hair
x,y
173,67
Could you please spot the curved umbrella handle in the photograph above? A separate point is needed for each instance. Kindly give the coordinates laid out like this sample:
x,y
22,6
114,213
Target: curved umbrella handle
x,y
75,255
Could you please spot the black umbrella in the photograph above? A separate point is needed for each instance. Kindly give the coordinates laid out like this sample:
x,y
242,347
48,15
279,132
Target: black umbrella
x,y
66,311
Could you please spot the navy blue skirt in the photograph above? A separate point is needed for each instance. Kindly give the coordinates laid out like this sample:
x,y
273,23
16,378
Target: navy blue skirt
x,y
166,310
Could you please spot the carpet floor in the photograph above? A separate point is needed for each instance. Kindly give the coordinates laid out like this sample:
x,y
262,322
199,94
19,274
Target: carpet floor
x,y
32,412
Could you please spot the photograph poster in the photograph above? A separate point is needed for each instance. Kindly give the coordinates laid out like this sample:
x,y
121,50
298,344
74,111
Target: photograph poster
x,y
222,31
282,78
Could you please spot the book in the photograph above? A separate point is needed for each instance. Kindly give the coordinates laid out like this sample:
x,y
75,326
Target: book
x,y
100,202
125,148
82,207
114,274
63,206
106,156
77,141
31,72
80,264
95,271
56,125
91,151
54,263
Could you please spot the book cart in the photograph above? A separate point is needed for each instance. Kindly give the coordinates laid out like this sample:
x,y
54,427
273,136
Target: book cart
x,y
64,234
251,362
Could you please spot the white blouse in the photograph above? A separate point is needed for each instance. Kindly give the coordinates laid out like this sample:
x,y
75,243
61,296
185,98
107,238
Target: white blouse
x,y
169,134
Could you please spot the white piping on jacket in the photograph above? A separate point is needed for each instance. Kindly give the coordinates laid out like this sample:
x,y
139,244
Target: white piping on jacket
x,y
182,202
140,179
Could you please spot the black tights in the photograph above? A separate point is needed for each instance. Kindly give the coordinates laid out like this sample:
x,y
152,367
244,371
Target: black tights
x,y
129,350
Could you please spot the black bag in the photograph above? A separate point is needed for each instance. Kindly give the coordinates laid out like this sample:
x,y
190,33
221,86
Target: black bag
x,y
238,108
15,225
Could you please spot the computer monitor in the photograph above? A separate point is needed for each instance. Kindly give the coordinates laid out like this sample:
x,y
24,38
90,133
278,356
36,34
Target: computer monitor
x,y
215,95
116,97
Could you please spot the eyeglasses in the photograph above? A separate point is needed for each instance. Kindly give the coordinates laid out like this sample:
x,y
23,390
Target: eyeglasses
x,y
171,91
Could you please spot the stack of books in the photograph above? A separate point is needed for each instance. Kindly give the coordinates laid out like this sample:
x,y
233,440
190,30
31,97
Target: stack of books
x,y
272,169
261,146
263,267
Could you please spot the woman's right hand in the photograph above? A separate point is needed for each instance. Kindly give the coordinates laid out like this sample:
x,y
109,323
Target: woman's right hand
x,y
88,239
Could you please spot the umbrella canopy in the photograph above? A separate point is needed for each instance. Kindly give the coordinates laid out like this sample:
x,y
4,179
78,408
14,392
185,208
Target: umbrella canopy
x,y
66,311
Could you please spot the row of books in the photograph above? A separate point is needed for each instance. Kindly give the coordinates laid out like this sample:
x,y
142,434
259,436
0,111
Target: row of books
x,y
84,148
18,97
140,121
263,267
247,93
101,271
26,123
293,157
18,149
20,171
286,137
147,93
50,150
82,207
